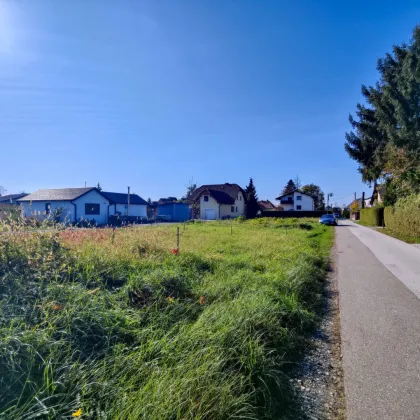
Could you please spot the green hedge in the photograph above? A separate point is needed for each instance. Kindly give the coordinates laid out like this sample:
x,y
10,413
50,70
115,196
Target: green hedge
x,y
404,217
373,216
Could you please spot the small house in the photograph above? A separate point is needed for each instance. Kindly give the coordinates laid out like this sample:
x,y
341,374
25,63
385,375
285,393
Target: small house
x,y
71,205
219,201
297,201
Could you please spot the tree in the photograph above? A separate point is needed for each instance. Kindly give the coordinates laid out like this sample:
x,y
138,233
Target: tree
x,y
149,201
191,187
2,190
252,206
318,196
98,186
355,206
297,182
385,133
290,187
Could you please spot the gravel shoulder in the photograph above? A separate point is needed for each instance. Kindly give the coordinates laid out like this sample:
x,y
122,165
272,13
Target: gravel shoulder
x,y
318,380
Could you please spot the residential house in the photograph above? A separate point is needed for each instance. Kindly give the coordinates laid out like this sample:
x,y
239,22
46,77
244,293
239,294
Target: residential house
x,y
220,201
70,205
11,198
119,204
266,205
297,201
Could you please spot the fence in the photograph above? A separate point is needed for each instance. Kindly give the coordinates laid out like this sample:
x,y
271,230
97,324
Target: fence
x,y
289,214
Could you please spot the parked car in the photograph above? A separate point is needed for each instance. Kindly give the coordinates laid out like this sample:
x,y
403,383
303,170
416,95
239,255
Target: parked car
x,y
337,215
328,219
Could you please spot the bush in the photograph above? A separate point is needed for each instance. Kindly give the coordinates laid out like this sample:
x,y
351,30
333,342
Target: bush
x,y
373,216
404,217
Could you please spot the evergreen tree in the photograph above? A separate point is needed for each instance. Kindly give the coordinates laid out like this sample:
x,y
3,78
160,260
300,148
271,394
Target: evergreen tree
x,y
385,136
98,186
290,187
252,206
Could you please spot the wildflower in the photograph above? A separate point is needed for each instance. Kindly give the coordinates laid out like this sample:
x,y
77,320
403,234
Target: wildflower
x,y
77,413
175,251
202,300
171,299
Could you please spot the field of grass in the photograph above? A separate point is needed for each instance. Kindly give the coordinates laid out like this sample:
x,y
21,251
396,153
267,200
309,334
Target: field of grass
x,y
113,325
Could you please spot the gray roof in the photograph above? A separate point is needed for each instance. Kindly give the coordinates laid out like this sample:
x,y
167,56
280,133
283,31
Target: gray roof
x,y
11,197
122,198
59,194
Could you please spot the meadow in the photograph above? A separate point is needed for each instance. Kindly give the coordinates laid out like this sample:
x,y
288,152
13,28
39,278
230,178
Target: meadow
x,y
116,324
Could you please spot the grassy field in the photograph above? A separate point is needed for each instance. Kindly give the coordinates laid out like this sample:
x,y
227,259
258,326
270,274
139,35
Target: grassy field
x,y
113,325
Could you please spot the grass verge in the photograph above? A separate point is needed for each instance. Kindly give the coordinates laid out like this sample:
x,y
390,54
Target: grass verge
x,y
113,325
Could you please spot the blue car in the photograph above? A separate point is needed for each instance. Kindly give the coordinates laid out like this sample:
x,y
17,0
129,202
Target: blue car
x,y
328,219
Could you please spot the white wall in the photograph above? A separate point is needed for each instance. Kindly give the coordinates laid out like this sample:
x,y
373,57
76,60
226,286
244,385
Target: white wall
x,y
211,204
37,209
92,197
138,210
306,202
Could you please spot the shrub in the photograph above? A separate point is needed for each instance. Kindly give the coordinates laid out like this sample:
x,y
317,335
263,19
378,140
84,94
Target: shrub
x,y
373,216
404,217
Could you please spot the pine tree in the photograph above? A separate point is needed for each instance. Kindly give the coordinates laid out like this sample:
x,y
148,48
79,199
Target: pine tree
x,y
290,187
251,200
99,187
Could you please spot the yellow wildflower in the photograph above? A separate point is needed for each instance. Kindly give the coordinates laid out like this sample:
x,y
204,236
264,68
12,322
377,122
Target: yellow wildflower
x,y
77,413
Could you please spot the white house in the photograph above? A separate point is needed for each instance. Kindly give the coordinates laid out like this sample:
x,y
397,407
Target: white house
x,y
119,204
297,201
220,201
70,205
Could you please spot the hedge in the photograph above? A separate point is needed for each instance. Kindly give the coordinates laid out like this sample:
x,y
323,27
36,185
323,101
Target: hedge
x,y
373,216
289,213
404,217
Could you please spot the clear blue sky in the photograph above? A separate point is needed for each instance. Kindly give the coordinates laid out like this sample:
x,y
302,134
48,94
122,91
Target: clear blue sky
x,y
152,93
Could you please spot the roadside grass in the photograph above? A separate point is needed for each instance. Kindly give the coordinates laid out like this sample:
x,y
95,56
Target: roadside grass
x,y
111,323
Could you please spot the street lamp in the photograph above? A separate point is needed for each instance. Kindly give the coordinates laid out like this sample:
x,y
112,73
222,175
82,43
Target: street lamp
x,y
328,201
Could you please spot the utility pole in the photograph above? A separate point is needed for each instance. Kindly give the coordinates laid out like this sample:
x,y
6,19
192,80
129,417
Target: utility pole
x,y
128,202
328,201
363,200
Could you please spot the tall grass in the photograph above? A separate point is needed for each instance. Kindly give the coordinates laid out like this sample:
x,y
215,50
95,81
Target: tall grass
x,y
115,325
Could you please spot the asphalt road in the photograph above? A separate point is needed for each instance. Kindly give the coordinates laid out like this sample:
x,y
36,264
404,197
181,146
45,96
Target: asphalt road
x,y
379,287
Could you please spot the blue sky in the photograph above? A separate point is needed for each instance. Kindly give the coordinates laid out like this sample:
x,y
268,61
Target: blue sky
x,y
152,93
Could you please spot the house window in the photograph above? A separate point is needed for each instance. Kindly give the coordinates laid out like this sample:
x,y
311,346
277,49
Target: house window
x,y
290,199
299,197
206,198
240,198
232,209
91,208
236,209
298,207
47,208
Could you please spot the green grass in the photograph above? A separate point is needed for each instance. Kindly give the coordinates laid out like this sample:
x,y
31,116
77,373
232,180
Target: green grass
x,y
116,325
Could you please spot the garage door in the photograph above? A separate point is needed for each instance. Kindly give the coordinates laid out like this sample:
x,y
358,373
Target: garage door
x,y
209,214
